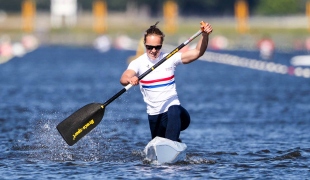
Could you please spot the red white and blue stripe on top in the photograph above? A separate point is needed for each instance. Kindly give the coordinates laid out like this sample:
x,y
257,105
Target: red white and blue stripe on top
x,y
156,83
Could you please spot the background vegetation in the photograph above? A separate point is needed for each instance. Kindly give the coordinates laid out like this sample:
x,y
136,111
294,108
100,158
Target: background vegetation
x,y
282,20
186,7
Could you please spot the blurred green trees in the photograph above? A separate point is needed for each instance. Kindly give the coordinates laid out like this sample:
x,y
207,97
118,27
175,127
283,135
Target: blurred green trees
x,y
278,7
186,7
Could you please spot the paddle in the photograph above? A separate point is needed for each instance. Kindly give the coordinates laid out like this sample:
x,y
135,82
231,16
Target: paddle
x,y
81,122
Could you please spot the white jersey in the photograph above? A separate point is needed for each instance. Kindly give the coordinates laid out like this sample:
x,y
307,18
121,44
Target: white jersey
x,y
158,87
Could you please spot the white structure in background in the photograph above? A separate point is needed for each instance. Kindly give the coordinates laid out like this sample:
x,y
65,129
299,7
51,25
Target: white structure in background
x,y
3,16
301,60
63,9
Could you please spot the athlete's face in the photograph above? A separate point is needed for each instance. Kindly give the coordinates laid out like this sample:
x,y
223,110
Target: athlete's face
x,y
153,45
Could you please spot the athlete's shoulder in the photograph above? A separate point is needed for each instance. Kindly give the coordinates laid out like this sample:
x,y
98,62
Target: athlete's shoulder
x,y
139,59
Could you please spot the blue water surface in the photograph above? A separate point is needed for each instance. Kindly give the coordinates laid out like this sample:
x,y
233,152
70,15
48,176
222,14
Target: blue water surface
x,y
246,123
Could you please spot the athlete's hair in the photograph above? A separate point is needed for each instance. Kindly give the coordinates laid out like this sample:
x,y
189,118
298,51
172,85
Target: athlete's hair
x,y
154,30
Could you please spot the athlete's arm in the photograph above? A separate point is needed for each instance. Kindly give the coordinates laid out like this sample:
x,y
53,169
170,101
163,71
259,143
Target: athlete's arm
x,y
129,77
193,54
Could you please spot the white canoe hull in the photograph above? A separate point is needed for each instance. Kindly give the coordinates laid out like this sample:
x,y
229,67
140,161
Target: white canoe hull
x,y
162,150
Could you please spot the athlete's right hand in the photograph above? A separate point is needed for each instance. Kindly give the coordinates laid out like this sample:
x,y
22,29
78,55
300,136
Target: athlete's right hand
x,y
133,80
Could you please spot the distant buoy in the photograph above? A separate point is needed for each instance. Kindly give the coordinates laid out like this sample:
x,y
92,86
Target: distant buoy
x,y
6,49
218,43
5,52
123,42
266,48
30,42
102,43
18,49
291,70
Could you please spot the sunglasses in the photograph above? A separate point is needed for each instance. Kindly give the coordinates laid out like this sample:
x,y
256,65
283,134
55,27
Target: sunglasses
x,y
149,47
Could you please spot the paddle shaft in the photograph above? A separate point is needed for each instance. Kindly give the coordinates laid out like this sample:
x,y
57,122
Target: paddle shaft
x,y
153,67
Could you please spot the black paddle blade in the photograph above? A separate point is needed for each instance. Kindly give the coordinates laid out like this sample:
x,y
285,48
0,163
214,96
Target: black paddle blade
x,y
81,122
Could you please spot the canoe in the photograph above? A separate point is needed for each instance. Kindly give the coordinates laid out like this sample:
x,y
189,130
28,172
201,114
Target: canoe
x,y
161,151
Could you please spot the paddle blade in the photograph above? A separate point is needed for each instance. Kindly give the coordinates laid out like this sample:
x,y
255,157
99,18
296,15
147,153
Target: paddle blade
x,y
81,122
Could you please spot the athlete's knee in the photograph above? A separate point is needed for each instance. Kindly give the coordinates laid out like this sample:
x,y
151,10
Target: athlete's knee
x,y
185,119
182,114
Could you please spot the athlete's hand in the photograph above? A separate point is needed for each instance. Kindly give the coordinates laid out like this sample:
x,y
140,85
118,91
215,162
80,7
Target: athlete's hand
x,y
134,80
206,28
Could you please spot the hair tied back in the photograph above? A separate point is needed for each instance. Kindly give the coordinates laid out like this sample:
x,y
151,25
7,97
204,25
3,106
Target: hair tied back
x,y
154,26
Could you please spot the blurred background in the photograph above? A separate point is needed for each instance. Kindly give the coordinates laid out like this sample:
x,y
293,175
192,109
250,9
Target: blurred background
x,y
237,23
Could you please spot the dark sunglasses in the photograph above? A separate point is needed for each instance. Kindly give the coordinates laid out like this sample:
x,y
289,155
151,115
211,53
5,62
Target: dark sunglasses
x,y
149,47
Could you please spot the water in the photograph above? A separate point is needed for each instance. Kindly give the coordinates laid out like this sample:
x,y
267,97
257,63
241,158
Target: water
x,y
245,123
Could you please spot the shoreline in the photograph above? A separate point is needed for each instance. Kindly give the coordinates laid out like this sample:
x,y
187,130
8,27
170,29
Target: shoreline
x,y
285,31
